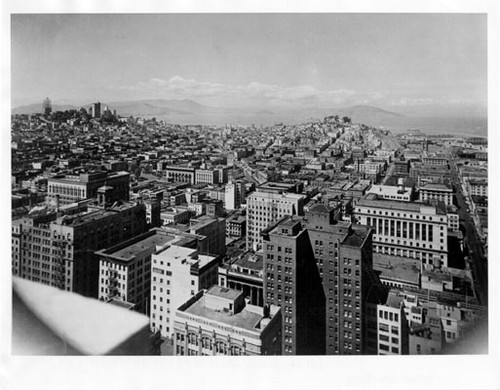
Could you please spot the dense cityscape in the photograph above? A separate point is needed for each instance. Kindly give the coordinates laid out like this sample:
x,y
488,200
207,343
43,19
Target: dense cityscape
x,y
325,237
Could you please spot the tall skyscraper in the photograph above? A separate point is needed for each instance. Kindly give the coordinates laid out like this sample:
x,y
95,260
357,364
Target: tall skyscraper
x,y
343,253
96,110
292,281
47,107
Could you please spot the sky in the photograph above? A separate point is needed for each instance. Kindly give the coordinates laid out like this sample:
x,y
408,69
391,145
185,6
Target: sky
x,y
401,62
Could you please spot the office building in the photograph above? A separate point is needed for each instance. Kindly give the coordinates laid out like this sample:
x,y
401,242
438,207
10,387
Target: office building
x,y
477,187
234,195
219,322
179,174
236,226
343,253
178,273
67,189
59,249
95,110
401,168
426,338
265,208
214,229
208,176
125,269
406,229
399,192
388,330
292,281
436,191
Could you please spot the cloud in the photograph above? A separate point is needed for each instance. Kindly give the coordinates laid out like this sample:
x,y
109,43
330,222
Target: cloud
x,y
179,87
414,102
260,94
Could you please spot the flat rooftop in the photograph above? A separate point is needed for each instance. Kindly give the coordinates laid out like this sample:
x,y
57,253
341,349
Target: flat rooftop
x,y
356,236
436,187
397,268
95,215
224,292
372,200
129,252
251,261
176,252
248,318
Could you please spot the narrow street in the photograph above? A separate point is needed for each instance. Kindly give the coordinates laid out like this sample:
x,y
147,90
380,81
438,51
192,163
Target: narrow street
x,y
479,262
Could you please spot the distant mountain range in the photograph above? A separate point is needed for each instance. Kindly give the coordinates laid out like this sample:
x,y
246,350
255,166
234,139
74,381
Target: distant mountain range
x,y
186,107
190,112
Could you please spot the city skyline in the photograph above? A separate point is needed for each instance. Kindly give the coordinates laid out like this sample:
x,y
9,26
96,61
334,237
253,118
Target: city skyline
x,y
402,62
249,180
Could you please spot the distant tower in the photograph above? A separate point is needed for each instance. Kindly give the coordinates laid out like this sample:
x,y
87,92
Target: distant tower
x,y
96,110
47,107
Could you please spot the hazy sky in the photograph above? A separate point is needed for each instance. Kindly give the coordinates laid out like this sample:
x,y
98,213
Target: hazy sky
x,y
394,61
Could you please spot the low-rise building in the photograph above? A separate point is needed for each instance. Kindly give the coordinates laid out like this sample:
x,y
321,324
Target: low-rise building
x,y
219,322
436,191
245,273
236,226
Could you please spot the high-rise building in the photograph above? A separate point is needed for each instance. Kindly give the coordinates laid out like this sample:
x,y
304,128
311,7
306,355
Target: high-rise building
x,y
125,269
219,322
59,249
234,195
292,281
343,253
414,230
96,110
267,208
47,107
178,273
214,230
